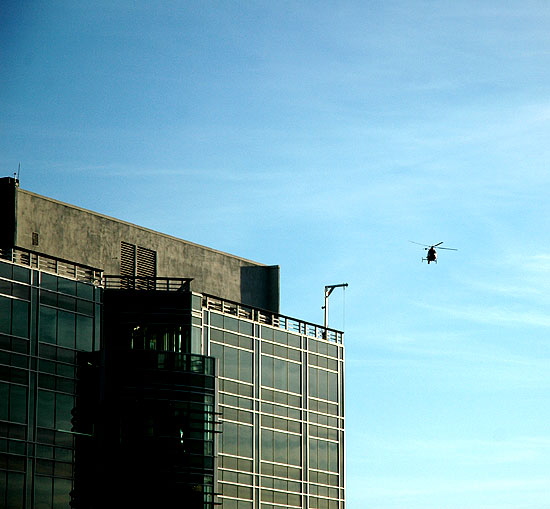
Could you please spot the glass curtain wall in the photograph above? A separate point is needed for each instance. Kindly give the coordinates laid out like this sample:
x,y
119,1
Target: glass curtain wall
x,y
282,404
44,321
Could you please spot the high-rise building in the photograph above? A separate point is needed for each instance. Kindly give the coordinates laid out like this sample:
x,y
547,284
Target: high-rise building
x,y
142,370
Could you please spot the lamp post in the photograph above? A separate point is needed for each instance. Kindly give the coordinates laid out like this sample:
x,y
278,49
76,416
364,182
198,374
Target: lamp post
x,y
328,290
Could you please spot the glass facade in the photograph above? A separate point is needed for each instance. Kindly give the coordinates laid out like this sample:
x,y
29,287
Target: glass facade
x,y
124,388
281,395
44,321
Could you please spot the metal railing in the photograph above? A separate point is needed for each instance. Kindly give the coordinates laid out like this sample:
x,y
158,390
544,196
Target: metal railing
x,y
273,319
166,284
51,264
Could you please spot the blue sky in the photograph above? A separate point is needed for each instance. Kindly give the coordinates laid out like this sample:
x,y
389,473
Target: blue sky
x,y
323,137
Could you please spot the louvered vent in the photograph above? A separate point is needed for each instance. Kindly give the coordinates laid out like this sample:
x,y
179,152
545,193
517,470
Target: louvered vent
x,y
146,262
138,265
127,259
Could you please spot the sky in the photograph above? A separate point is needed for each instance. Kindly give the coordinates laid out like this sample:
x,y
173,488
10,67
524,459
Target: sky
x,y
324,137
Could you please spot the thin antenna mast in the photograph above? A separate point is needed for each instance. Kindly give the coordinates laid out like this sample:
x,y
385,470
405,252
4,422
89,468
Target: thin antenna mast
x,y
328,290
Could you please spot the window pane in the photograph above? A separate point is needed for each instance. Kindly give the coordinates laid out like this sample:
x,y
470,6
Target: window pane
x,y
231,363
245,366
294,377
45,409
245,441
66,329
4,399
20,325
281,373
267,444
48,324
229,438
333,386
18,403
84,333
295,450
63,406
42,492
61,493
5,315
85,291
267,371
15,487
280,445
313,382
49,281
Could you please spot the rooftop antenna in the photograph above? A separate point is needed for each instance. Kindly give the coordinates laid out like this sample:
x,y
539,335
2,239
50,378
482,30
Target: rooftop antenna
x,y
16,174
328,290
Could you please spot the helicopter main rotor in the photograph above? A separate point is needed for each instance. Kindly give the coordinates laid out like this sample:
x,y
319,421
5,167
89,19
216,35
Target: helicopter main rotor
x,y
428,246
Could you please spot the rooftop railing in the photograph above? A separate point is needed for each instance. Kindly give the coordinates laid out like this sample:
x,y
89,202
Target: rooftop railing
x,y
166,284
56,266
273,319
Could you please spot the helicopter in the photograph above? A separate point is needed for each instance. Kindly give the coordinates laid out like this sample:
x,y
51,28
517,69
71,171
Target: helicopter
x,y
431,256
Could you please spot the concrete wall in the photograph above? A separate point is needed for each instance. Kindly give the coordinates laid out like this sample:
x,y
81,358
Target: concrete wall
x,y
92,239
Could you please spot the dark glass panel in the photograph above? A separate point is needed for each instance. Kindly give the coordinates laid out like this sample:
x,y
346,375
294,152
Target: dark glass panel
x,y
267,371
246,328
46,406
85,291
231,324
245,441
4,399
42,492
322,451
313,460
246,342
294,340
66,329
48,298
196,302
229,438
216,335
294,377
49,281
280,369
66,302
15,490
216,320
5,287
332,386
267,445
196,340
280,336
6,270
267,333
85,307
332,456
245,366
84,333
66,286
20,319
48,325
280,447
63,406
21,291
62,488
294,450
20,345
5,315
48,352
18,404
231,363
